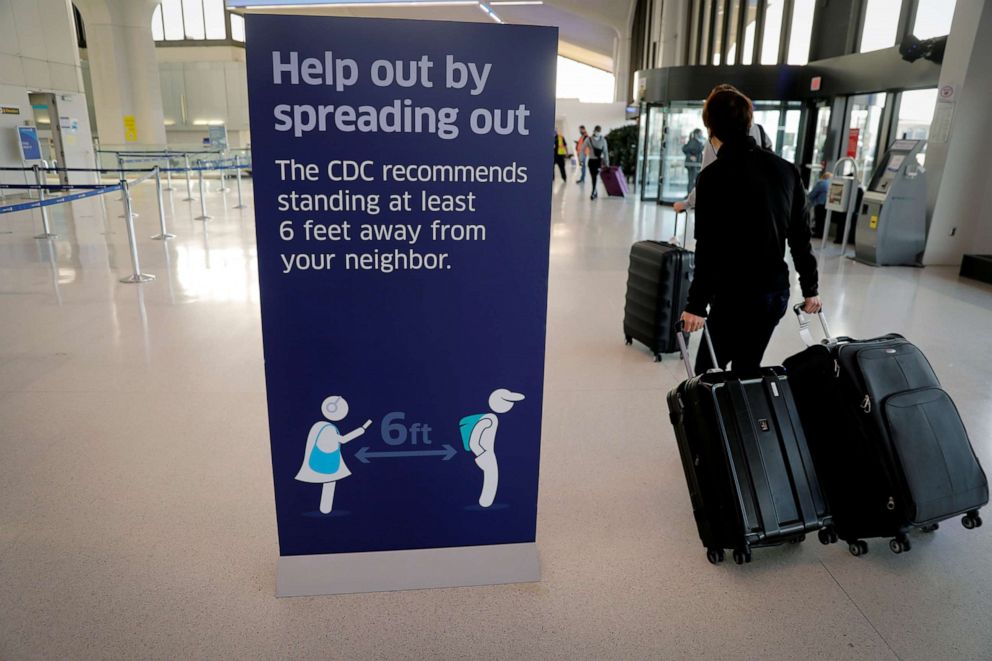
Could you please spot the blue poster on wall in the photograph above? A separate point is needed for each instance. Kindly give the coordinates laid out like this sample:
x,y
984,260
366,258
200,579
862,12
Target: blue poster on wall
x,y
402,174
30,145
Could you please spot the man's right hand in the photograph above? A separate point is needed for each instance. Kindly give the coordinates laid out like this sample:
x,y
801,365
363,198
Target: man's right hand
x,y
679,207
812,305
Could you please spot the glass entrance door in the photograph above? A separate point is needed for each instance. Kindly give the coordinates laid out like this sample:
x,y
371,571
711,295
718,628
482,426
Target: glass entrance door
x,y
682,150
818,155
651,165
864,125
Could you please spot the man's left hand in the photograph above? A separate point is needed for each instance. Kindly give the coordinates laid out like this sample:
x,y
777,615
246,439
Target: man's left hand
x,y
692,323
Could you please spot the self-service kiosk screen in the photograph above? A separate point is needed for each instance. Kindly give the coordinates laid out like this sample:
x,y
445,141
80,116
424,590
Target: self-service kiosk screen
x,y
885,175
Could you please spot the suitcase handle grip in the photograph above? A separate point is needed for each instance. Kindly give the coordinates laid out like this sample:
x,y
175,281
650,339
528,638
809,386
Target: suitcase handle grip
x,y
804,332
681,337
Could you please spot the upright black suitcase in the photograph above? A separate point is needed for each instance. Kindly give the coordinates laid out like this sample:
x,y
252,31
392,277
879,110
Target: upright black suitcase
x,y
657,290
889,445
750,475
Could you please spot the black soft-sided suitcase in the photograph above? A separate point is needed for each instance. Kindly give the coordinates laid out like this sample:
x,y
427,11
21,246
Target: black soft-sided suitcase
x,y
657,290
888,443
750,475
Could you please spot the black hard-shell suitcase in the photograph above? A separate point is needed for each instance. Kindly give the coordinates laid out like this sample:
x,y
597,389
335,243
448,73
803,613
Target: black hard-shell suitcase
x,y
888,443
750,475
657,290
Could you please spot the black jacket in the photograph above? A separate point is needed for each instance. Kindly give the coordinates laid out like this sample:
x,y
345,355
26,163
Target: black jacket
x,y
749,202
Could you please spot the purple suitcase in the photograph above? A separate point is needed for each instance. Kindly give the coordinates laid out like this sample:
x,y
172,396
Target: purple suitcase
x,y
614,181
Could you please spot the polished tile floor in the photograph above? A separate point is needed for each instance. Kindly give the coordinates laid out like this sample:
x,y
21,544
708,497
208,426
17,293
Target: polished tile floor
x,y
136,515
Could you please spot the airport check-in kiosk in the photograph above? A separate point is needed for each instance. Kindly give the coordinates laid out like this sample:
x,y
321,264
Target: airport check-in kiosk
x,y
892,224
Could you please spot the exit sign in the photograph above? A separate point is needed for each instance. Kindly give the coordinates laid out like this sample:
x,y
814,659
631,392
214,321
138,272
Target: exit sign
x,y
814,84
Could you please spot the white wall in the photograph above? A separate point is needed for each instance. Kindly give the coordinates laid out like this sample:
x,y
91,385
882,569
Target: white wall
x,y
202,84
961,221
38,53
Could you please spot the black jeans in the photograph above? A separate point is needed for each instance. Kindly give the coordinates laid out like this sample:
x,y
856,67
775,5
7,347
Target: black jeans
x,y
594,164
560,162
741,326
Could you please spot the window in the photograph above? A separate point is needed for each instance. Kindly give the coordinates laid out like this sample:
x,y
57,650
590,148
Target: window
x,y
915,115
773,32
750,25
717,33
178,20
583,82
704,50
802,29
158,31
933,18
734,7
213,18
881,23
694,36
238,28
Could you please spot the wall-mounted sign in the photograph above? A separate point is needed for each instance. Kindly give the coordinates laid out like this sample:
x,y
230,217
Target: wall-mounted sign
x,y
130,129
853,137
815,83
217,136
10,110
30,146
403,221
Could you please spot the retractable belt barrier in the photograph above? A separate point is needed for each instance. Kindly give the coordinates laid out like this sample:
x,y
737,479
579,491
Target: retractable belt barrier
x,y
91,190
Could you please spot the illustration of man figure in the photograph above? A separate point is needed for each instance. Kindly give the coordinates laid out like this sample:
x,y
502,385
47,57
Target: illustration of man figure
x,y
322,461
479,437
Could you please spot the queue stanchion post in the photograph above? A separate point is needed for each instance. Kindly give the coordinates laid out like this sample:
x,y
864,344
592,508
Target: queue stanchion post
x,y
203,198
223,178
189,184
137,275
237,172
46,231
120,165
163,233
168,174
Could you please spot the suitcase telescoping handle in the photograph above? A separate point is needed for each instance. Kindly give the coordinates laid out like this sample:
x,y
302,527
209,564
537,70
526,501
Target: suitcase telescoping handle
x,y
680,336
685,232
804,332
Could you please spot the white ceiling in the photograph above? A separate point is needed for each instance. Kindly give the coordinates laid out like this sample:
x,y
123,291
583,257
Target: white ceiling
x,y
587,28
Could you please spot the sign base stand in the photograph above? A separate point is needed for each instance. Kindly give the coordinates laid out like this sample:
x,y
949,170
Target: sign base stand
x,y
382,571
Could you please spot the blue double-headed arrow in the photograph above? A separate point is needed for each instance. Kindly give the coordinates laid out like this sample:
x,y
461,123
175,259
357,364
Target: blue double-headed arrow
x,y
365,456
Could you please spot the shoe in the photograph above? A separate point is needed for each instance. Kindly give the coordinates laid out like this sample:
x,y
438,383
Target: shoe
x,y
594,195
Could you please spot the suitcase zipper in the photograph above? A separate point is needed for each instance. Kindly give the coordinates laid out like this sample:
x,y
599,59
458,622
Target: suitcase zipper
x,y
836,369
891,505
866,404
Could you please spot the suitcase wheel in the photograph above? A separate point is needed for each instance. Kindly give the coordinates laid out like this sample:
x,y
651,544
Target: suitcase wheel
x,y
931,528
971,520
899,544
715,556
858,547
657,358
827,536
741,556
798,540
628,340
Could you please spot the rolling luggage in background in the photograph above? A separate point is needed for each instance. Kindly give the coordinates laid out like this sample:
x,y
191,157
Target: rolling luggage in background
x,y
749,472
614,181
888,443
657,290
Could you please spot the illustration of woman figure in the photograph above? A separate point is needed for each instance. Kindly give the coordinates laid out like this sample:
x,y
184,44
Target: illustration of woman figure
x,y
322,461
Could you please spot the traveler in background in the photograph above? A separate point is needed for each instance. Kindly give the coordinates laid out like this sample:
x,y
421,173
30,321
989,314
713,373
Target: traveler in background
x,y
709,153
581,154
693,150
561,151
598,153
749,204
818,200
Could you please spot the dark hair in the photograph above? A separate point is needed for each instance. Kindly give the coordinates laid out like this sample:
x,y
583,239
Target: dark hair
x,y
582,126
728,113
598,128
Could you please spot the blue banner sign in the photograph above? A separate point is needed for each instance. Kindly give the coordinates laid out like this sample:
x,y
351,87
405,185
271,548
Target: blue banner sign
x,y
30,145
402,174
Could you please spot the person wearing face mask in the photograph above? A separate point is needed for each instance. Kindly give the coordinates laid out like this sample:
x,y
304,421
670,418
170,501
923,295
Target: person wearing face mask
x,y
750,203
598,154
